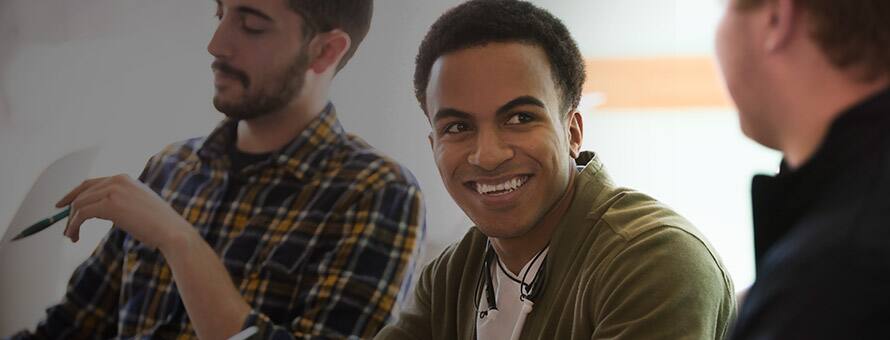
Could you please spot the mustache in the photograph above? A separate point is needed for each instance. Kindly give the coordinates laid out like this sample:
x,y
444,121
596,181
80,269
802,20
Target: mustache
x,y
231,71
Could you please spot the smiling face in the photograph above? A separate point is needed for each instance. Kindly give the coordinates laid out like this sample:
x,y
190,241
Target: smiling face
x,y
500,141
260,57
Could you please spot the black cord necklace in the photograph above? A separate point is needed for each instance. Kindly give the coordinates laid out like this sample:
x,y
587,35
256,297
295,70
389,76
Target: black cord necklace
x,y
539,275
489,287
527,291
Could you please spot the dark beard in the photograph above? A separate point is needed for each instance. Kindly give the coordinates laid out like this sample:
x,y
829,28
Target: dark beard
x,y
285,88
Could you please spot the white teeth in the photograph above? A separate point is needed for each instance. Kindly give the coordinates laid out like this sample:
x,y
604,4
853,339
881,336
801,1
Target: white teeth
x,y
507,186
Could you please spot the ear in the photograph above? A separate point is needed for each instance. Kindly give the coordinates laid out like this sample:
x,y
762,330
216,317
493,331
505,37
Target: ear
x,y
327,49
783,17
575,133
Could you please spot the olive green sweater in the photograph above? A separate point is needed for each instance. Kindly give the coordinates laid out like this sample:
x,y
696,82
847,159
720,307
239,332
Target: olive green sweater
x,y
621,265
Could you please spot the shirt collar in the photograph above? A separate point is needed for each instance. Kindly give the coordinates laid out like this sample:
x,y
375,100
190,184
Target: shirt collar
x,y
588,202
303,155
850,137
778,201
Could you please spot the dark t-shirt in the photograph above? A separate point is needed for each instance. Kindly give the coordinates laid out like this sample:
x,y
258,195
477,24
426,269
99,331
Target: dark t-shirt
x,y
241,159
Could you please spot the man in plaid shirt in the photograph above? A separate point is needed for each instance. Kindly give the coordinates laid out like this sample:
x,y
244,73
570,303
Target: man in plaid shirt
x,y
276,225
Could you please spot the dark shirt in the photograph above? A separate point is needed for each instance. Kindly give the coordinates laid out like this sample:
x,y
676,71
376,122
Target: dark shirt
x,y
822,237
241,160
241,166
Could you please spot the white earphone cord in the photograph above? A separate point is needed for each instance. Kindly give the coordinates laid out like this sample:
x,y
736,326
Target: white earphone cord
x,y
527,306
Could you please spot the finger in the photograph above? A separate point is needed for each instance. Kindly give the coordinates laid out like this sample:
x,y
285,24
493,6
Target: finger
x,y
92,195
93,210
77,190
71,214
72,229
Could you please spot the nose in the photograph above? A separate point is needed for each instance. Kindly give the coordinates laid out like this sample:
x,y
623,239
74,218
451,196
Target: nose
x,y
490,151
220,45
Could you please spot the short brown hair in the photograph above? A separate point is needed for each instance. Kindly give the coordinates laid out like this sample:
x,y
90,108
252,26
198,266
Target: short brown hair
x,y
852,33
351,16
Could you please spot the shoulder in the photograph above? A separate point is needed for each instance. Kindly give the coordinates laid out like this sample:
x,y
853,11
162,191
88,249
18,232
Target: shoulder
x,y
171,157
645,251
183,148
630,214
355,160
640,231
636,219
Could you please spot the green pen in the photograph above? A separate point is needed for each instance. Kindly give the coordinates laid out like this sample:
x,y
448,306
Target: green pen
x,y
43,224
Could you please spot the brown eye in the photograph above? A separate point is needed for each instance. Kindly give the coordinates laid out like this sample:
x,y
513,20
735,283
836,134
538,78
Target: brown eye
x,y
520,118
455,128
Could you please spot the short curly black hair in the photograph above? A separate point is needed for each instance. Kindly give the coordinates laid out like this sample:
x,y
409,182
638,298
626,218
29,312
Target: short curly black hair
x,y
480,22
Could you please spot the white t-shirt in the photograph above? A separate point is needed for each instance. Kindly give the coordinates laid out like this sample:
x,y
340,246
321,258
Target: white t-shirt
x,y
497,325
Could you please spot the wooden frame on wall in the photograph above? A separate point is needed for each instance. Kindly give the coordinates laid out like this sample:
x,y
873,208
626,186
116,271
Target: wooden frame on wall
x,y
656,83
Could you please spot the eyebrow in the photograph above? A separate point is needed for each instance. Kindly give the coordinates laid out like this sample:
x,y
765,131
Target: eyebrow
x,y
248,10
504,109
520,101
450,113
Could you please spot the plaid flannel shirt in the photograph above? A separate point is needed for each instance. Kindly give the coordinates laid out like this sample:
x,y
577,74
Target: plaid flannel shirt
x,y
319,239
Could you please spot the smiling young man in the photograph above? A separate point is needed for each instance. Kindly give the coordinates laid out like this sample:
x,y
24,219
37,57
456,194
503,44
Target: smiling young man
x,y
558,251
276,225
811,78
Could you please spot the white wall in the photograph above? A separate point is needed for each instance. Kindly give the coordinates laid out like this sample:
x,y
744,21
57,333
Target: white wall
x,y
131,76
77,74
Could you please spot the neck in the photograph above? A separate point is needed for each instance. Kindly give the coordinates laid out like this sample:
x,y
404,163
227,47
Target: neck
x,y
516,252
813,111
273,131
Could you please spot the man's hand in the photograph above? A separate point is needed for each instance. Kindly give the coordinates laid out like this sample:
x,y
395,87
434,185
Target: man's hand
x,y
214,305
127,203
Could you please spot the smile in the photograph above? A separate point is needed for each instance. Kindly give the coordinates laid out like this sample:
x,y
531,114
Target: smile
x,y
502,188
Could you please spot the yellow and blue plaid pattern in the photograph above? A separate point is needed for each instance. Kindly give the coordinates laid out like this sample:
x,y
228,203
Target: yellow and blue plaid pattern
x,y
320,239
